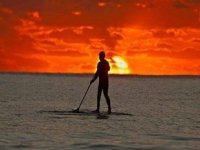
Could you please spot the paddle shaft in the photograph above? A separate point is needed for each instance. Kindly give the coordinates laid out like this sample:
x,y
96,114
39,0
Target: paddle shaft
x,y
84,96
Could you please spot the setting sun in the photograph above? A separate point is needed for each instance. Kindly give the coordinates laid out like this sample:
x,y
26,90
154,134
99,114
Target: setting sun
x,y
119,65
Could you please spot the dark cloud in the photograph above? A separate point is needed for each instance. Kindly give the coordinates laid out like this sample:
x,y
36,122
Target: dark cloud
x,y
190,2
6,11
64,53
165,45
12,62
70,36
87,67
21,45
180,4
197,40
163,34
155,13
188,54
47,42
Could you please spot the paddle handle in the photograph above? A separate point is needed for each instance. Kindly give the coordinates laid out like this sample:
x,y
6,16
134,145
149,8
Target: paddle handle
x,y
84,96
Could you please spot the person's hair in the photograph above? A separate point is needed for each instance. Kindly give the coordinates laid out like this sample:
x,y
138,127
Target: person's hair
x,y
102,54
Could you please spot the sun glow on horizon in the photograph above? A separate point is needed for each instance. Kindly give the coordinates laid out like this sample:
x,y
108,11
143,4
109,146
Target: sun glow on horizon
x,y
119,65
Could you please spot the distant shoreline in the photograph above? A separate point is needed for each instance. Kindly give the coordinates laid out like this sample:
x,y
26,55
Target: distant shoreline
x,y
90,74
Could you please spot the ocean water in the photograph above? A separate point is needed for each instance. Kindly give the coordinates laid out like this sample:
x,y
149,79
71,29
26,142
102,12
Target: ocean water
x,y
149,113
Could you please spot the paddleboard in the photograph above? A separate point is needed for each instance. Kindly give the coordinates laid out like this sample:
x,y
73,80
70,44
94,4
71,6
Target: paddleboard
x,y
83,112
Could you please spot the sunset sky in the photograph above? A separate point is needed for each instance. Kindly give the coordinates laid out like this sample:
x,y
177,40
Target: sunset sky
x,y
158,37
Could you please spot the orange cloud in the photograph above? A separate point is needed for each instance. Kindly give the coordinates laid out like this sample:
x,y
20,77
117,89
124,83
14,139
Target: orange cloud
x,y
34,15
102,4
141,5
77,13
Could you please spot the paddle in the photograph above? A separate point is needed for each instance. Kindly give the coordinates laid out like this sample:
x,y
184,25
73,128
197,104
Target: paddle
x,y
77,110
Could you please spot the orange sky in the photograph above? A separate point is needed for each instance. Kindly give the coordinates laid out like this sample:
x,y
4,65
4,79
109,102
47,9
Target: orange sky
x,y
151,36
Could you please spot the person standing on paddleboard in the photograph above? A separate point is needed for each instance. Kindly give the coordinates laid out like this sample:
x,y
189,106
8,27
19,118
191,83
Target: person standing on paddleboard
x,y
102,72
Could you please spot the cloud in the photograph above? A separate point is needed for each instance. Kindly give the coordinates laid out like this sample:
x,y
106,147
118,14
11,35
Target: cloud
x,y
190,2
6,10
77,13
48,42
101,4
165,46
163,33
187,54
14,62
34,15
196,40
98,44
64,53
180,4
88,67
131,12
142,5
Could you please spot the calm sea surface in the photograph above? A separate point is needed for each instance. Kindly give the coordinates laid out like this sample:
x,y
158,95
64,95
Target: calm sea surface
x,y
149,113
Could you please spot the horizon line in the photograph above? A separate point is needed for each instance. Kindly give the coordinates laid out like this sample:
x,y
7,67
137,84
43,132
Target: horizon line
x,y
64,73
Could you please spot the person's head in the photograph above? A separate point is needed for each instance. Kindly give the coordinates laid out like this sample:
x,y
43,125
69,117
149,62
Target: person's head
x,y
102,55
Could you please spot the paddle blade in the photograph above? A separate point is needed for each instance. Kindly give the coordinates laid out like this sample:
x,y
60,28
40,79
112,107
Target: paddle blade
x,y
76,110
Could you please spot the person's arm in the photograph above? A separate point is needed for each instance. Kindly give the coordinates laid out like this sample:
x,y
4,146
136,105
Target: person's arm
x,y
95,75
108,67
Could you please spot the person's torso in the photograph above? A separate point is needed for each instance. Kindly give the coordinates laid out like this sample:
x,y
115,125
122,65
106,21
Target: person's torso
x,y
103,68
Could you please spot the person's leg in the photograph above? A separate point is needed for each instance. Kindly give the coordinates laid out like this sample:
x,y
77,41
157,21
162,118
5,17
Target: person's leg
x,y
99,97
105,92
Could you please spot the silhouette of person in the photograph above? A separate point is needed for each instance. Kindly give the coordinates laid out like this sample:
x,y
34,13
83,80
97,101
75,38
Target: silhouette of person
x,y
102,72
